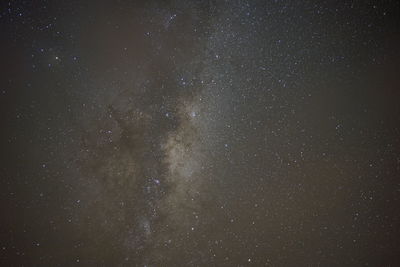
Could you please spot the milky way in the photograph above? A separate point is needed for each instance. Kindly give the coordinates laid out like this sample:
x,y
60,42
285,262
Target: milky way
x,y
199,133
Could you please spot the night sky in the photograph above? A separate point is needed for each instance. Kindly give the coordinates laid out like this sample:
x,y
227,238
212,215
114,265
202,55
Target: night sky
x,y
199,133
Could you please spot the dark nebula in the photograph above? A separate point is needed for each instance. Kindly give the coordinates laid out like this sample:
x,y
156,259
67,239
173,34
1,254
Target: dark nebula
x,y
199,133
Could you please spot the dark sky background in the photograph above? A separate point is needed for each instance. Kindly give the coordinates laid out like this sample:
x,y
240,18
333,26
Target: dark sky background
x,y
199,133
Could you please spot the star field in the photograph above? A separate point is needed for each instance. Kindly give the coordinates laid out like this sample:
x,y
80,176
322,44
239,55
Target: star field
x,y
199,133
